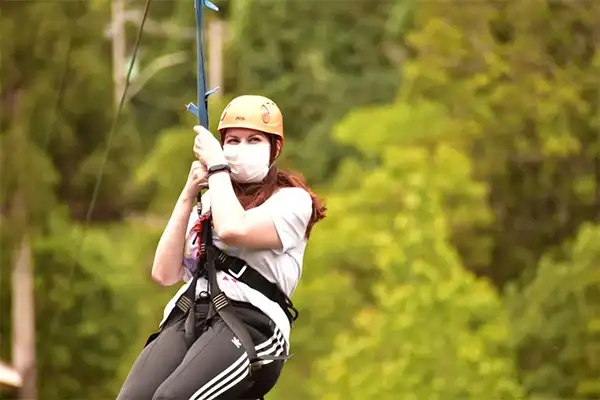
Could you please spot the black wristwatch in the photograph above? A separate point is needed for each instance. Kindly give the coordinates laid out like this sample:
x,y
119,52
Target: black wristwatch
x,y
218,168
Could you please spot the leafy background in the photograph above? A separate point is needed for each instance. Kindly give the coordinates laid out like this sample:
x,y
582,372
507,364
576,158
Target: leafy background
x,y
457,147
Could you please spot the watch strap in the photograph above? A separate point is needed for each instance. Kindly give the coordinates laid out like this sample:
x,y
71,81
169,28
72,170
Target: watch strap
x,y
213,169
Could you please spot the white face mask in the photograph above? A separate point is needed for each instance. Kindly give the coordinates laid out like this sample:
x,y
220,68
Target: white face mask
x,y
249,162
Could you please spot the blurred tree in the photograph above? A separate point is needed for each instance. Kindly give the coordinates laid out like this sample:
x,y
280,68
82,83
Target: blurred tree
x,y
57,109
521,80
556,322
62,112
80,315
162,172
430,329
111,307
163,88
381,277
317,72
158,102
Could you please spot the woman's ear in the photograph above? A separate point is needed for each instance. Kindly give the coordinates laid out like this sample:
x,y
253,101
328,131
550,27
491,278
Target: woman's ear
x,y
277,144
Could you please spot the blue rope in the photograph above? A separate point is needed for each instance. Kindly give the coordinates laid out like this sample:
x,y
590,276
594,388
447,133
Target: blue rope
x,y
201,111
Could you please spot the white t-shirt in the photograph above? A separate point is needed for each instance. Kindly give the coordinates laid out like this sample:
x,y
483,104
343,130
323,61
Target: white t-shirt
x,y
290,209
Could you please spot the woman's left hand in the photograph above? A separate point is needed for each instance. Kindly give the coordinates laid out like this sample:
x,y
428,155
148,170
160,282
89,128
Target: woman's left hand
x,y
207,148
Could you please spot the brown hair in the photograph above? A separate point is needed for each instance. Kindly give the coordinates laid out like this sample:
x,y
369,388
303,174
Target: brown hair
x,y
253,195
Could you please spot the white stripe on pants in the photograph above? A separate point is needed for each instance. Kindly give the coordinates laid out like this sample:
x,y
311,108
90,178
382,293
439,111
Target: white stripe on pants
x,y
239,369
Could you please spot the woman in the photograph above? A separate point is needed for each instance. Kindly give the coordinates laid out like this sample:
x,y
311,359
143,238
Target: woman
x,y
261,220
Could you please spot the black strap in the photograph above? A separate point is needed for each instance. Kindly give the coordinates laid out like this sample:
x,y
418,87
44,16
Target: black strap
x,y
222,305
239,270
188,310
219,300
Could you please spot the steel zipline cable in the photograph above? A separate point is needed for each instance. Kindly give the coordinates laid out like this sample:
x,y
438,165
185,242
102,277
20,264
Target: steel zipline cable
x,y
55,318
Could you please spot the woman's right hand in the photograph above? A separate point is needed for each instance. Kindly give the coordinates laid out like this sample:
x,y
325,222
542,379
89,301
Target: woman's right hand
x,y
197,179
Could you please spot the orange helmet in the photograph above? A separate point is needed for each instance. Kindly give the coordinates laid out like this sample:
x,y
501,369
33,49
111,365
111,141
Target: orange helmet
x,y
253,112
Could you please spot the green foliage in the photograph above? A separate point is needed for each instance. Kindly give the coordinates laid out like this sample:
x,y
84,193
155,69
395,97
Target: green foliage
x,y
57,109
162,173
36,169
430,329
317,72
521,81
80,317
94,311
556,322
425,124
469,145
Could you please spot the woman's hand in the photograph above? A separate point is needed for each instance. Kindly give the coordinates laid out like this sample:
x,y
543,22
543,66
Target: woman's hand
x,y
207,148
197,179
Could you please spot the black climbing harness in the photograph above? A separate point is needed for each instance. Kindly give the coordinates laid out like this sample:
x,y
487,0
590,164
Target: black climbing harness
x,y
210,261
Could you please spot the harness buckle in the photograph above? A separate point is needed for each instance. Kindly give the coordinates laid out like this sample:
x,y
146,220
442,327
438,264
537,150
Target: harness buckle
x,y
264,360
258,364
184,304
220,301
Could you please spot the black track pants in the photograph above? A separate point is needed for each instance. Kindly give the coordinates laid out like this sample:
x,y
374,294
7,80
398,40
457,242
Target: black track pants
x,y
214,367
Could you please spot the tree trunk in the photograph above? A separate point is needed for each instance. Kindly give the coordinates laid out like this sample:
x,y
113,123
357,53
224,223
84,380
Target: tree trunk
x,y
216,37
23,308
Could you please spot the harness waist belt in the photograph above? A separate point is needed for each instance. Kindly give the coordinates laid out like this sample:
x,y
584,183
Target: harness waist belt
x,y
244,273
220,303
239,270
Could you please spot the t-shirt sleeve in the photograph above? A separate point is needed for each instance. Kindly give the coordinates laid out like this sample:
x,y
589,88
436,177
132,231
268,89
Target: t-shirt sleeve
x,y
290,209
